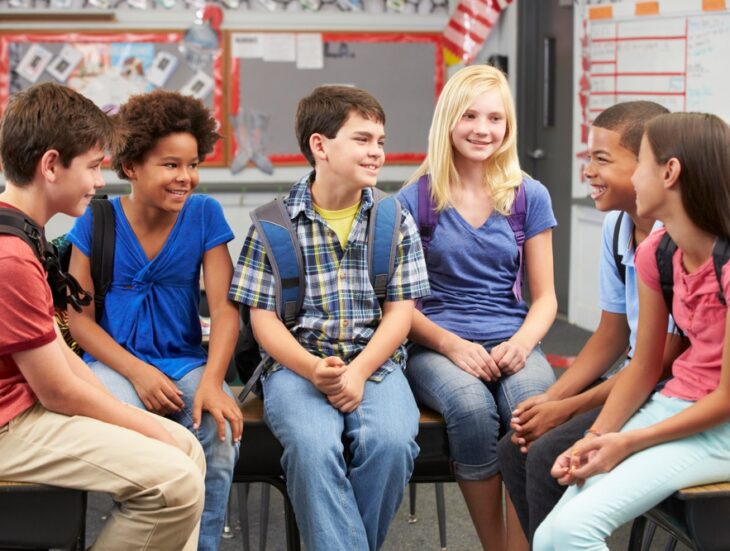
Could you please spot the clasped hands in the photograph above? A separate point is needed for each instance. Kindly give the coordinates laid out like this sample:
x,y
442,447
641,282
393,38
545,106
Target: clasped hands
x,y
343,386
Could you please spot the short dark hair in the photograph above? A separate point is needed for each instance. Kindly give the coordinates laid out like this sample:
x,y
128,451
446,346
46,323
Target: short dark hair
x,y
148,117
701,144
628,119
326,110
50,116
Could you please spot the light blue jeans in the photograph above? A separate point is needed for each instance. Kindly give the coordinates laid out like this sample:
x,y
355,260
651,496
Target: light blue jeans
x,y
585,517
476,413
343,505
220,457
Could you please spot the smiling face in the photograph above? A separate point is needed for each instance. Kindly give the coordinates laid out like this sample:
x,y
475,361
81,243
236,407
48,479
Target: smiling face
x,y
609,169
77,183
480,131
168,174
354,157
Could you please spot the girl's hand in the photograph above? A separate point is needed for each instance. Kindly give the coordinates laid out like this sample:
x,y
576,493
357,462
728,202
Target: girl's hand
x,y
567,462
510,356
472,358
158,393
221,406
600,454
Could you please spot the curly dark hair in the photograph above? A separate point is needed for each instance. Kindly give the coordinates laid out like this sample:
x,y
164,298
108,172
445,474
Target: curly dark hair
x,y
148,117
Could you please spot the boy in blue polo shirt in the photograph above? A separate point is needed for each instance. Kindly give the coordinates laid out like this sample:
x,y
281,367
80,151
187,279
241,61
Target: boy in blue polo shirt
x,y
546,424
339,372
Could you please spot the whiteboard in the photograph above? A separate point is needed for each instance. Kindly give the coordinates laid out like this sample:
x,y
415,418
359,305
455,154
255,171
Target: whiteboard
x,y
679,61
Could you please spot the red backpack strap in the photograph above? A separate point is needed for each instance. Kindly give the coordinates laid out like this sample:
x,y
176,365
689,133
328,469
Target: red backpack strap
x,y
516,221
428,217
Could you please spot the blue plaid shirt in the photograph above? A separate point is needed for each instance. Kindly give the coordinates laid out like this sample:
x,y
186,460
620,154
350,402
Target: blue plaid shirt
x,y
340,311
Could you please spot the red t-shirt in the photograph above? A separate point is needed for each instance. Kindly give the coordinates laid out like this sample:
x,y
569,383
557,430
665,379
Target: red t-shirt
x,y
26,321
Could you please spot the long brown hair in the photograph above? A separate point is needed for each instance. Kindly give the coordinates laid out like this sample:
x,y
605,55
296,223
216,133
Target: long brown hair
x,y
701,144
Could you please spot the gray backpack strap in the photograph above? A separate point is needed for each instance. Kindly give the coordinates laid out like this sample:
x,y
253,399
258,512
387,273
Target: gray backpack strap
x,y
284,252
383,236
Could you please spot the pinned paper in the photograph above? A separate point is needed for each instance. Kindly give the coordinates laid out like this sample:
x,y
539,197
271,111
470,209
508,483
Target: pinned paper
x,y
279,47
162,67
310,51
34,62
247,45
65,62
199,86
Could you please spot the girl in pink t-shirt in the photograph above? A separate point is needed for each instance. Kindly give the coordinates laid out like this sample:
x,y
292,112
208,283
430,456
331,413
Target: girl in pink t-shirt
x,y
638,452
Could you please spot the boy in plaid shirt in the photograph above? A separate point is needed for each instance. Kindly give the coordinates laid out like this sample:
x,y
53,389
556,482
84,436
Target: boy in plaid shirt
x,y
339,371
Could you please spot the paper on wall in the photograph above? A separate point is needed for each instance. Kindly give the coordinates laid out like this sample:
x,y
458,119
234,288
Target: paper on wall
x,y
310,51
279,47
34,61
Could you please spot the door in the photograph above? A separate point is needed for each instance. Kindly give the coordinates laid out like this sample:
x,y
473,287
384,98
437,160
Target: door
x,y
545,114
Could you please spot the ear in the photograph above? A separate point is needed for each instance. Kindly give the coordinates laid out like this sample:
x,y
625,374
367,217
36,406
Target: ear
x,y
129,171
672,170
49,164
318,145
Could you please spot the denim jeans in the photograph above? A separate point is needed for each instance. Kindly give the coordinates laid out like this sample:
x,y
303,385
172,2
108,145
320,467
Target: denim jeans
x,y
476,413
527,477
343,505
220,457
584,517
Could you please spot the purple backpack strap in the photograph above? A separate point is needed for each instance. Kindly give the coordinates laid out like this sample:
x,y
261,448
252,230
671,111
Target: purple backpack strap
x,y
516,221
428,218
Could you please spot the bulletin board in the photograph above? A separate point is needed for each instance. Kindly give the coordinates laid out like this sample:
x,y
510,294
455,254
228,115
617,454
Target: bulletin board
x,y
109,67
405,72
652,51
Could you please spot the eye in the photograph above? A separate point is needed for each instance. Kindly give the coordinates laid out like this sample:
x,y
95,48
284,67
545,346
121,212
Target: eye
x,y
381,143
361,139
496,118
469,116
170,165
194,166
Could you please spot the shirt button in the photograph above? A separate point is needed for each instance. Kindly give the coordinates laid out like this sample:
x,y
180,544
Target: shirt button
x,y
343,275
345,323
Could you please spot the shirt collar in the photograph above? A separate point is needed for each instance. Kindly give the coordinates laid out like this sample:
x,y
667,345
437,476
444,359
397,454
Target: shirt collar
x,y
300,198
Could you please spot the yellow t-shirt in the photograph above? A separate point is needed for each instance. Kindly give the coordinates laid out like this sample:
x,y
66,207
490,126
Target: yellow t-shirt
x,y
340,221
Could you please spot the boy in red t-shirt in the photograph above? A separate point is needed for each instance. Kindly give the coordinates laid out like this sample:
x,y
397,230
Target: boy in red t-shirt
x,y
58,425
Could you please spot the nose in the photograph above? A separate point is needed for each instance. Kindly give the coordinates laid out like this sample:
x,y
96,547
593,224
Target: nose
x,y
183,175
481,126
589,170
99,180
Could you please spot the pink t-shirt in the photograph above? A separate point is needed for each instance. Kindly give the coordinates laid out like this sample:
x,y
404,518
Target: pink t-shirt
x,y
698,311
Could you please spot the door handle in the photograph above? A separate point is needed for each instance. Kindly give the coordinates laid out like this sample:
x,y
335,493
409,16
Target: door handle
x,y
536,154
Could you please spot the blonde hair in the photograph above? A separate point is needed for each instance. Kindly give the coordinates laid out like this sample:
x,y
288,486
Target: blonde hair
x,y
502,173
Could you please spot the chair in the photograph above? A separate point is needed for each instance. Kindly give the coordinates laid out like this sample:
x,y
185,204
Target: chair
x,y
35,516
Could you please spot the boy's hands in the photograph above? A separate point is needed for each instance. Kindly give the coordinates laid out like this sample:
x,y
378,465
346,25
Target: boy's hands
x,y
472,358
510,356
158,393
352,391
211,398
536,416
327,375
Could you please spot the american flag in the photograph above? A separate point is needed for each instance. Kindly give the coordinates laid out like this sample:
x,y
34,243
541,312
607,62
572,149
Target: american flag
x,y
469,26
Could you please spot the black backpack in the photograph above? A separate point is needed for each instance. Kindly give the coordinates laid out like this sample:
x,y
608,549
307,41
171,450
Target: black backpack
x,y
284,252
664,254
55,257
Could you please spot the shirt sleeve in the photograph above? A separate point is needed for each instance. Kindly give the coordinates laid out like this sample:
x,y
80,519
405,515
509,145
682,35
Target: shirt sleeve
x,y
612,287
410,279
645,260
80,234
217,230
539,216
253,279
27,320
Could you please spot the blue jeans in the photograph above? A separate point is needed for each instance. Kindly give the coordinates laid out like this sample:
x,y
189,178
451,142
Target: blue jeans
x,y
343,505
476,413
584,517
220,457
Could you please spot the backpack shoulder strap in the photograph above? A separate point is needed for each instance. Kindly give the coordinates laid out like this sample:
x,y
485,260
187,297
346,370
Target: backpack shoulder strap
x,y
284,252
516,221
14,222
383,234
428,216
664,255
102,250
618,258
720,257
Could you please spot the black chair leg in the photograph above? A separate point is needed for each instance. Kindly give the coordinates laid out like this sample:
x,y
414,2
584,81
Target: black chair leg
x,y
264,527
636,539
242,490
441,513
412,518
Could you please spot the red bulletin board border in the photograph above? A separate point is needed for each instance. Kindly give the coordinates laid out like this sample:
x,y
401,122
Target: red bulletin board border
x,y
216,158
395,157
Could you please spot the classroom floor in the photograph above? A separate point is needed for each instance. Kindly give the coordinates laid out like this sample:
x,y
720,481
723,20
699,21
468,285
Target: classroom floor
x,y
563,339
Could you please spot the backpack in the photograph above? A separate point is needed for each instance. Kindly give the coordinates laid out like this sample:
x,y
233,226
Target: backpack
x,y
284,252
55,257
428,218
617,257
664,254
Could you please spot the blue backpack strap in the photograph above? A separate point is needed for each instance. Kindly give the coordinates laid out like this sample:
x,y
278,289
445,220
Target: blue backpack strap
x,y
428,216
516,221
720,256
618,258
284,252
383,235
